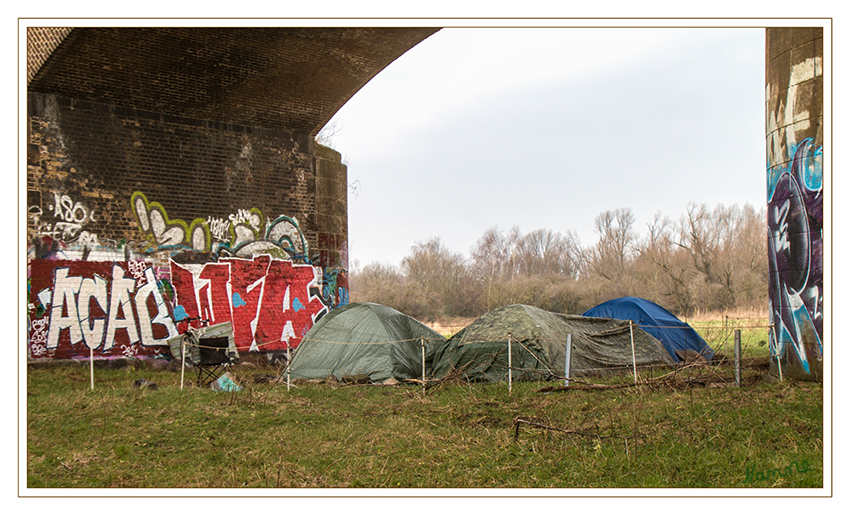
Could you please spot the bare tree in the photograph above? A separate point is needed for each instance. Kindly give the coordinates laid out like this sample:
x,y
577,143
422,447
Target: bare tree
x,y
430,262
490,264
440,272
617,239
707,260
490,255
369,283
545,252
663,268
727,247
326,134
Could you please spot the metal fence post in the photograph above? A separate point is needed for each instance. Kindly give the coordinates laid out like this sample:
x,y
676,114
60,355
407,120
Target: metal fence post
x,y
510,364
632,338
738,357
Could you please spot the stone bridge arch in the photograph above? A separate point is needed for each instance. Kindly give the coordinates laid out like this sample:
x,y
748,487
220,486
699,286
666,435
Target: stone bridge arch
x,y
173,172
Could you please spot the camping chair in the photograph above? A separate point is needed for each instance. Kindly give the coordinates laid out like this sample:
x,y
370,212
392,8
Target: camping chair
x,y
214,359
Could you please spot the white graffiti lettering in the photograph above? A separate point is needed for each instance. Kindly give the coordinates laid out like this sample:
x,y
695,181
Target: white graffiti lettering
x,y
69,220
145,321
780,216
246,216
126,307
137,269
39,331
60,230
120,304
65,290
66,209
88,239
219,228
92,328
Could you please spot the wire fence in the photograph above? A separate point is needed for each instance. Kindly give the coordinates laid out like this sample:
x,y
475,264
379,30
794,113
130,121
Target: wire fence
x,y
720,336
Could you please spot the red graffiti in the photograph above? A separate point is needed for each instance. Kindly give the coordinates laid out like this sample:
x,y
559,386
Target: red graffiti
x,y
79,306
118,308
269,301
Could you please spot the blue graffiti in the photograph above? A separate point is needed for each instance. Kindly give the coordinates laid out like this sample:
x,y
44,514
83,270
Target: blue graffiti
x,y
180,312
237,301
795,254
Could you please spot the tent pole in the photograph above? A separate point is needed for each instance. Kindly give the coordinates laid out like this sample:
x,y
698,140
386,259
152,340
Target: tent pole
x,y
634,360
568,360
288,356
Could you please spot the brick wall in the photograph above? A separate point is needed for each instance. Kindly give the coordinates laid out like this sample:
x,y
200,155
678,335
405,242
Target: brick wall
x,y
206,211
332,207
41,42
100,155
291,78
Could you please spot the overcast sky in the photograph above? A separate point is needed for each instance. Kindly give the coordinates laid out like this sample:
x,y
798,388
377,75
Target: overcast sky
x,y
545,128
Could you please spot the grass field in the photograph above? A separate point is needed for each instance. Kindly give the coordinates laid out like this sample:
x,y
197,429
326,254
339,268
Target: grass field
x,y
765,434
718,330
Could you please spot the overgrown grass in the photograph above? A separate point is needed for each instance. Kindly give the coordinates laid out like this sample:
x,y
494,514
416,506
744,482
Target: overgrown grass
x,y
450,436
720,335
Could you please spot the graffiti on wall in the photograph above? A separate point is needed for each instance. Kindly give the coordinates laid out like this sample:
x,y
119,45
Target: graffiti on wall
x,y
113,308
63,230
243,234
252,271
272,303
795,254
121,308
66,220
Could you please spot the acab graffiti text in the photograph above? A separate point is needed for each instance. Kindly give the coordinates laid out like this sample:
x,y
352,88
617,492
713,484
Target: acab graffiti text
x,y
97,305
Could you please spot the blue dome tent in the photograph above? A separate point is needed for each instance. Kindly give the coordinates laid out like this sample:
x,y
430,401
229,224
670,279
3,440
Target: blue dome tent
x,y
670,331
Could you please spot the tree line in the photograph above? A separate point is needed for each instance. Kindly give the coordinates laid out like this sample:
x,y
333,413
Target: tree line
x,y
707,260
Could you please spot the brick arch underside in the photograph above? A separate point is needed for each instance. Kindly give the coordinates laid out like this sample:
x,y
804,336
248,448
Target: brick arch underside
x,y
284,78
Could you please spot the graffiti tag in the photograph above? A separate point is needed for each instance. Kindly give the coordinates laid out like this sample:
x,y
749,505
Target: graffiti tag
x,y
271,302
98,305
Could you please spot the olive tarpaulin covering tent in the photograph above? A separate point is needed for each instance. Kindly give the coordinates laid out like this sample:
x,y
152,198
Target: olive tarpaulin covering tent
x,y
363,338
538,346
674,334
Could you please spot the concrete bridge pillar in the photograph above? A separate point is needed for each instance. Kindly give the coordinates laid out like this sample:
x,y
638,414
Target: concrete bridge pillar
x,y
794,126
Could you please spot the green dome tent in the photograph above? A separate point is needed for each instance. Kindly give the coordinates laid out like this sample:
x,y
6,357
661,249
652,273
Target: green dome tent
x,y
364,339
538,346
